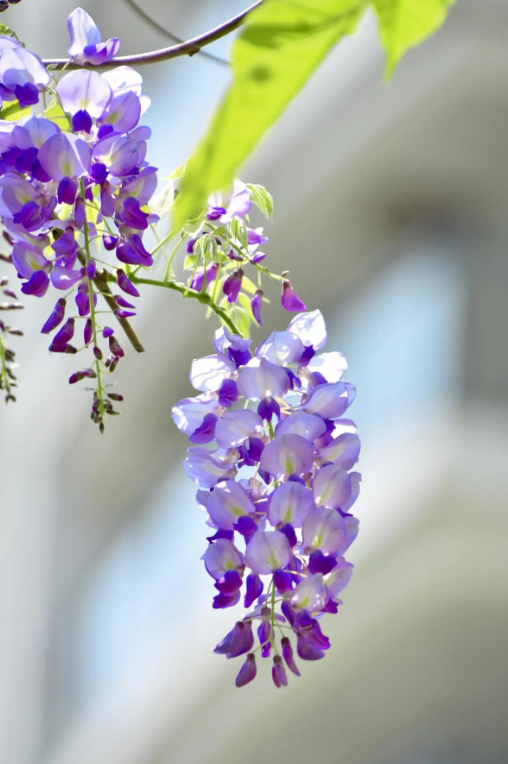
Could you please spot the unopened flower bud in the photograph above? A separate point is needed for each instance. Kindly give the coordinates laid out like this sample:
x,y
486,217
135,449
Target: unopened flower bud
x,y
115,347
115,397
88,331
290,300
247,672
287,654
279,675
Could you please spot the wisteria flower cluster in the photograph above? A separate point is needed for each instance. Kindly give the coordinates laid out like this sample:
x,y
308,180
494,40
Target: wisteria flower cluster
x,y
75,196
73,178
272,454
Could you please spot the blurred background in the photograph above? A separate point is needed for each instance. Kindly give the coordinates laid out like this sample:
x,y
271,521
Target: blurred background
x,y
391,212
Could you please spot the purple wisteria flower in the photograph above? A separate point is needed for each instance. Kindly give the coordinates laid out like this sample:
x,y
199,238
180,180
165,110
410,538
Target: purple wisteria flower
x,y
274,471
86,41
23,76
72,178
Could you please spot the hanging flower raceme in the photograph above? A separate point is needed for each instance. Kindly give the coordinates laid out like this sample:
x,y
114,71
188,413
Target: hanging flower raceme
x,y
273,455
224,255
72,179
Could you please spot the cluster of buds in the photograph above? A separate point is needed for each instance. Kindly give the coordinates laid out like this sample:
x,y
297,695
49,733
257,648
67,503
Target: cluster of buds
x,y
272,454
74,189
222,248
8,302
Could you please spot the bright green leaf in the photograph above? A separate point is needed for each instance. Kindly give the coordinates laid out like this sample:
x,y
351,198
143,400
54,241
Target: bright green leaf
x,y
248,285
262,199
177,173
14,111
282,44
241,315
55,113
405,23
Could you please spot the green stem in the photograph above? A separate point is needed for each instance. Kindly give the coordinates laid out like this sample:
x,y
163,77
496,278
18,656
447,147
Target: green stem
x,y
203,298
187,290
260,268
4,377
92,313
272,620
162,243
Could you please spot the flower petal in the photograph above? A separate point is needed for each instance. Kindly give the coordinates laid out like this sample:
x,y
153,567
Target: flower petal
x,y
310,594
235,428
291,502
331,366
324,529
229,501
309,426
207,374
287,455
329,401
281,348
222,556
332,486
267,551
310,328
262,379
188,414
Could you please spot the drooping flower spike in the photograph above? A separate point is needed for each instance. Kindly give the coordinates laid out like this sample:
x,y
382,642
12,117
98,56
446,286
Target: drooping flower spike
x,y
76,194
273,457
67,184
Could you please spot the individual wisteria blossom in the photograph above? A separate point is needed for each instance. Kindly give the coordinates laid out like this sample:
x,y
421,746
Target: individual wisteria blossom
x,y
23,76
72,178
86,41
274,457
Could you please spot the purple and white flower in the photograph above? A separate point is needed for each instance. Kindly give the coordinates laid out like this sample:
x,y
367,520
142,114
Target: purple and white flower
x,y
280,535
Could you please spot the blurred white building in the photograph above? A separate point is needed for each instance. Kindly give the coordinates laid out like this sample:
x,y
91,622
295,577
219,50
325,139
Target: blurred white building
x,y
391,214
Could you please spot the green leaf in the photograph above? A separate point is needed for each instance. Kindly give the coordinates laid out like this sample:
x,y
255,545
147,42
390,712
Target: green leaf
x,y
14,111
405,23
241,315
177,173
281,45
238,232
55,113
249,285
190,262
162,202
262,199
